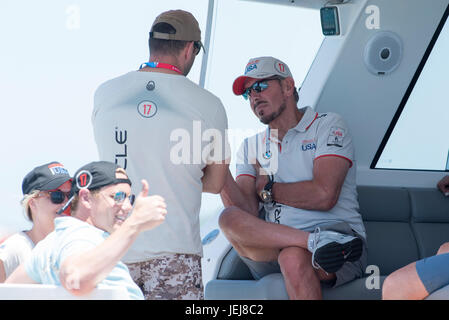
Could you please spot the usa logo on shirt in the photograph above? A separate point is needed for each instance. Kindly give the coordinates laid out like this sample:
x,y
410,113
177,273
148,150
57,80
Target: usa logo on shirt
x,y
308,145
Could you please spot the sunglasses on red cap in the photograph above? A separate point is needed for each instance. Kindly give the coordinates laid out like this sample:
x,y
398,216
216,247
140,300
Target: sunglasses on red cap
x,y
258,86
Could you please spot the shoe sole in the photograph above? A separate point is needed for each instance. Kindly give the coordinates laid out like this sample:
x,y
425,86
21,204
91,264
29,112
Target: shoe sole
x,y
333,255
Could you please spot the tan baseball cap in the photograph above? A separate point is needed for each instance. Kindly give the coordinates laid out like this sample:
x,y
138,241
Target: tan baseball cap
x,y
260,68
185,24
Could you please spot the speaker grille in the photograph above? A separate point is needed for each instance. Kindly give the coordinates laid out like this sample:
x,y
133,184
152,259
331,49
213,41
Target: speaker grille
x,y
383,52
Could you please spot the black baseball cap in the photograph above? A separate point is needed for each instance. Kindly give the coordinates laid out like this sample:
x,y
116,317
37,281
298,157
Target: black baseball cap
x,y
95,175
46,177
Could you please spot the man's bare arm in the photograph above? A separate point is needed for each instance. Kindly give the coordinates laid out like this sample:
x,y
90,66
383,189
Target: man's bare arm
x,y
80,273
241,194
19,275
320,193
214,177
443,185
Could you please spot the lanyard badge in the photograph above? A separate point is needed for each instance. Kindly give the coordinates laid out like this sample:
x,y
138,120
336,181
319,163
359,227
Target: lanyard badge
x,y
154,64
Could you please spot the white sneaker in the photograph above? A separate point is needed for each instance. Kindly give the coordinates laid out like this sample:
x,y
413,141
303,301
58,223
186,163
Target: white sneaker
x,y
330,249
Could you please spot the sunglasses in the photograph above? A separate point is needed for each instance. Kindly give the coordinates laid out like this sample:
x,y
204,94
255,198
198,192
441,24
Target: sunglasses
x,y
258,86
58,196
197,47
121,196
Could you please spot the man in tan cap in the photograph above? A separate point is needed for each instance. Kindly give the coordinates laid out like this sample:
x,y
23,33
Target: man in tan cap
x,y
155,123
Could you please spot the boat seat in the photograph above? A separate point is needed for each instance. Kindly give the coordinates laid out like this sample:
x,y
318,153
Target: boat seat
x,y
402,225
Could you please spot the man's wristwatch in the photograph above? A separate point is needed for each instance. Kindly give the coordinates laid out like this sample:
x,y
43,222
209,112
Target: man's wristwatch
x,y
266,194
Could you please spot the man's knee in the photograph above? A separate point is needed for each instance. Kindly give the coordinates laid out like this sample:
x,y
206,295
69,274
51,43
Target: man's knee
x,y
294,259
396,285
228,218
389,287
298,262
444,248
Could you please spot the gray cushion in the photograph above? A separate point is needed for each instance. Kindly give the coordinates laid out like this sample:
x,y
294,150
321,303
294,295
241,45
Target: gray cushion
x,y
270,287
233,268
430,237
429,205
430,219
354,290
440,294
391,245
384,204
402,226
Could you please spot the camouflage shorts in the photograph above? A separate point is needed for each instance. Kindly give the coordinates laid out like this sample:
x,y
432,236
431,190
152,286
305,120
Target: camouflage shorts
x,y
171,277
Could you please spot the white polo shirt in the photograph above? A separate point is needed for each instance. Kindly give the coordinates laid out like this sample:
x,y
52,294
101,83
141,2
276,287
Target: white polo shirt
x,y
292,159
162,128
15,251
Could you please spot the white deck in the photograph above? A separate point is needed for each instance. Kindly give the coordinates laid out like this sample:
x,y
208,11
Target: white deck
x,y
52,292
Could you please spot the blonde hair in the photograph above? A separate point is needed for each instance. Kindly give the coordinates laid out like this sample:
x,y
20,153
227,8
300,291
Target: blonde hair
x,y
121,170
26,201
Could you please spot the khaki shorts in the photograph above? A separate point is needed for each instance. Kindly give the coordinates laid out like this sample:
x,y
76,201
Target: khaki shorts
x,y
170,277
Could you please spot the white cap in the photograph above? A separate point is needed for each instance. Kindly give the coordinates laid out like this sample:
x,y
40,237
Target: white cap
x,y
260,68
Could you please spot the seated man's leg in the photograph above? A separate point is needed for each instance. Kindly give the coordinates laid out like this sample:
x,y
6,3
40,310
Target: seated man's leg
x,y
433,272
334,244
257,239
404,284
302,280
444,248
418,279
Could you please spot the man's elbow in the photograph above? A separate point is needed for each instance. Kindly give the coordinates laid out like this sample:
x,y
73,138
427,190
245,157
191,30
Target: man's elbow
x,y
214,177
72,281
213,188
328,205
213,191
328,201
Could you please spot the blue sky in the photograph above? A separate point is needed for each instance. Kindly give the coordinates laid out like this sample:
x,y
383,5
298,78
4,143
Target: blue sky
x,y
55,53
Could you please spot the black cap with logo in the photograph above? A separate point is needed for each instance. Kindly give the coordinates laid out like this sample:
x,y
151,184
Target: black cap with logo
x,y
45,177
95,175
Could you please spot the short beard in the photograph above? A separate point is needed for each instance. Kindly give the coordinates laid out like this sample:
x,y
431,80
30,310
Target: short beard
x,y
274,115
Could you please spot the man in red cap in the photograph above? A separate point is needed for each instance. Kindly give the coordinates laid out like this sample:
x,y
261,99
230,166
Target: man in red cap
x,y
301,169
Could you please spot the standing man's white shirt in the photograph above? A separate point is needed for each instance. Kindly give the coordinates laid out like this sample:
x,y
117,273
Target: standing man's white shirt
x,y
158,127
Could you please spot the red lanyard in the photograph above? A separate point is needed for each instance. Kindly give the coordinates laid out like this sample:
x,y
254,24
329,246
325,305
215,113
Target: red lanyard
x,y
154,64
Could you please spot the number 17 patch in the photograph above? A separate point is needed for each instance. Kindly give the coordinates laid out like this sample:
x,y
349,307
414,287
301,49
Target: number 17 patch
x,y
336,136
